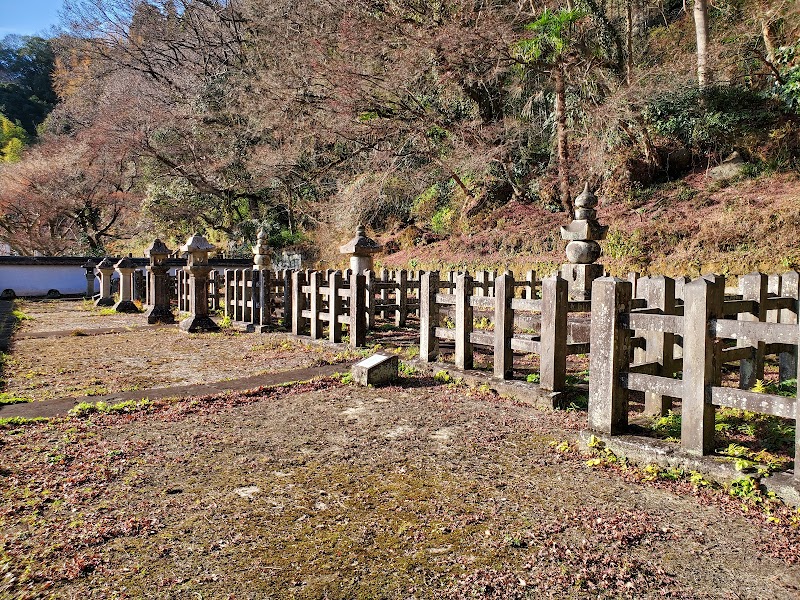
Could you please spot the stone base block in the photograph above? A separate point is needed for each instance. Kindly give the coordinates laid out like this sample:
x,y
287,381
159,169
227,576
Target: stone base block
x,y
159,315
378,369
104,302
126,306
198,324
579,279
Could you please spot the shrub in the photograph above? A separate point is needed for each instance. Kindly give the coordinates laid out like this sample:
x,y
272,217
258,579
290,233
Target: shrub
x,y
714,119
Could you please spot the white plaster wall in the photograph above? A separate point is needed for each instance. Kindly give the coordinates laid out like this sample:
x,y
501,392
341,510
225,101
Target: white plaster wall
x,y
37,280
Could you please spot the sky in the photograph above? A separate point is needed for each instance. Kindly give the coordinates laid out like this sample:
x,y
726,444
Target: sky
x,y
28,17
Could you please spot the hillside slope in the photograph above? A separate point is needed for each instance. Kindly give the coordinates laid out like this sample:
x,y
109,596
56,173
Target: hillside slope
x,y
687,227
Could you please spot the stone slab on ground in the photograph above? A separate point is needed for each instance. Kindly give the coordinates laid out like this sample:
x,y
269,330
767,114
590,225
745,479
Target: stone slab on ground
x,y
61,406
378,369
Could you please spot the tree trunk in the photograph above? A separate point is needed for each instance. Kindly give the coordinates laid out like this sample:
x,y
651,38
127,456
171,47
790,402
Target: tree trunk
x,y
628,41
561,138
701,33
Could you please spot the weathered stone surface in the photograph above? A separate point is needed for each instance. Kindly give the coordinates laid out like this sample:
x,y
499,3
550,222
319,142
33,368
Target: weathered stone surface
x,y
105,269
361,248
160,310
197,248
583,249
733,166
378,369
583,252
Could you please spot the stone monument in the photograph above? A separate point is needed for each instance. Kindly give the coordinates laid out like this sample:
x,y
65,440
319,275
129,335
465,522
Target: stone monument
x,y
360,249
197,248
125,268
160,310
583,250
262,255
105,269
89,266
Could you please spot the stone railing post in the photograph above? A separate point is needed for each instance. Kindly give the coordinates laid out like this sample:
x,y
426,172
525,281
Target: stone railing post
x,y
753,287
790,288
660,294
530,290
315,284
358,312
703,301
610,342
401,294
464,322
503,326
553,340
197,249
125,268
428,316
334,306
106,270
369,276
298,302
159,293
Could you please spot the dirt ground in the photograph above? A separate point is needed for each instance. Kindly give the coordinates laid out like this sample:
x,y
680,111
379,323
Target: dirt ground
x,y
136,359
425,489
326,490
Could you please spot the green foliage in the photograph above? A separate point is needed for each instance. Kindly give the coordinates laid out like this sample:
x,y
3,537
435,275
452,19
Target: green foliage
x,y
669,426
12,422
8,398
12,140
787,61
442,376
713,119
550,35
406,369
345,378
225,322
26,91
442,220
84,409
618,245
533,378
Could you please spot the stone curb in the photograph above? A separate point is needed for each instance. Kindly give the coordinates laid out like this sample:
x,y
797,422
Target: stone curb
x,y
644,450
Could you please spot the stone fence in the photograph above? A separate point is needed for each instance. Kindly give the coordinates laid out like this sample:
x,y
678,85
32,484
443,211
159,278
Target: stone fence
x,y
675,349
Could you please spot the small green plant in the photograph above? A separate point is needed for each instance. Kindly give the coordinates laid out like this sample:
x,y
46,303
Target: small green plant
x,y
533,378
9,398
20,316
106,312
442,376
406,369
84,409
225,322
484,324
669,426
12,422
345,378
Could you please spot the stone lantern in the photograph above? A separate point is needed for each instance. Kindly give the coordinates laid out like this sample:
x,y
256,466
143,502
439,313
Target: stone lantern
x,y
125,268
160,310
197,248
106,269
262,256
583,250
360,249
89,266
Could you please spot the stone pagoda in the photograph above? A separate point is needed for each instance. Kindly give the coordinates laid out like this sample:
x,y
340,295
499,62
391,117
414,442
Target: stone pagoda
x,y
262,255
583,250
360,249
